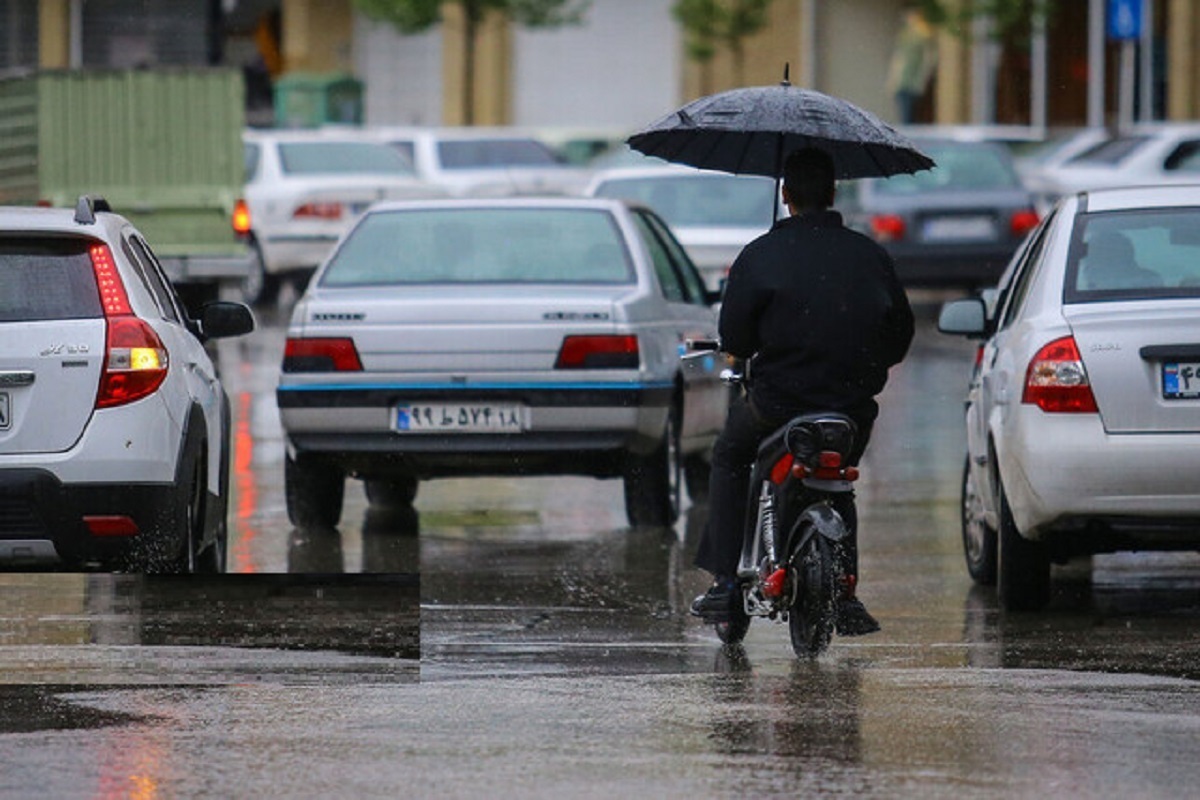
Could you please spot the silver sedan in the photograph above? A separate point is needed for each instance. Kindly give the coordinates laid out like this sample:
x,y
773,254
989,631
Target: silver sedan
x,y
1083,418
509,336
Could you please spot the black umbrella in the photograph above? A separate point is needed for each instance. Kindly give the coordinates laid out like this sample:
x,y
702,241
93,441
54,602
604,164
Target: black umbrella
x,y
751,130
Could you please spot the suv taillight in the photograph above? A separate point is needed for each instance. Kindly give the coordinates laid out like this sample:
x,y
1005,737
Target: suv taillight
x,y
1056,380
598,352
135,360
321,355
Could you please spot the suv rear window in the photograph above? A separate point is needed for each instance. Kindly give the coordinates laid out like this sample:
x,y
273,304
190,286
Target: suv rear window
x,y
43,279
481,245
1135,255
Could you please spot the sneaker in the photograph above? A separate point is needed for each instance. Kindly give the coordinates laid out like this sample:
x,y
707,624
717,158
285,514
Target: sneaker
x,y
853,619
716,604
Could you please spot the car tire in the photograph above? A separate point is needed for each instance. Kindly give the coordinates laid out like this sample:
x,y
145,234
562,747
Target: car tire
x,y
697,470
259,287
391,493
979,538
314,490
1023,566
652,482
190,522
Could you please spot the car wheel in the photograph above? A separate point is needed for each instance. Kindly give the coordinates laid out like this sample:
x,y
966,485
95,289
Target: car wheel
x,y
394,493
979,539
652,482
314,490
696,473
190,524
259,287
1023,567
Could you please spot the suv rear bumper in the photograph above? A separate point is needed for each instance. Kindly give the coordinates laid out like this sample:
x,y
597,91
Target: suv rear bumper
x,y
42,522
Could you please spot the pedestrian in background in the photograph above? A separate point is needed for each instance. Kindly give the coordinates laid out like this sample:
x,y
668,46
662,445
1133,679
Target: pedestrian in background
x,y
913,61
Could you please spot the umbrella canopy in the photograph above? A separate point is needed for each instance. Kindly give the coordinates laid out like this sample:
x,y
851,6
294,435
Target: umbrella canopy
x,y
751,131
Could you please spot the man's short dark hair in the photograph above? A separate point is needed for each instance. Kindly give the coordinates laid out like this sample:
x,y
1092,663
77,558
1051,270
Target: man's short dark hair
x,y
808,177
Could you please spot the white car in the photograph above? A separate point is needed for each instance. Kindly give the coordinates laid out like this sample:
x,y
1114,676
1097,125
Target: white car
x,y
1083,416
713,214
1148,154
484,161
114,427
304,189
509,336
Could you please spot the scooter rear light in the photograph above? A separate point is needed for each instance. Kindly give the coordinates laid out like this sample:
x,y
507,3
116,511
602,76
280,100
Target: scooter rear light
x,y
1056,381
327,354
829,458
782,467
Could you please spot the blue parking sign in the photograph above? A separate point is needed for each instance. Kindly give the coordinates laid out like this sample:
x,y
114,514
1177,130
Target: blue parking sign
x,y
1124,19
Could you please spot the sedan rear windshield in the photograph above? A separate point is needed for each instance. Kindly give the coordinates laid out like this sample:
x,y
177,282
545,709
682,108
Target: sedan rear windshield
x,y
961,166
1135,255
44,279
481,245
355,158
709,201
496,154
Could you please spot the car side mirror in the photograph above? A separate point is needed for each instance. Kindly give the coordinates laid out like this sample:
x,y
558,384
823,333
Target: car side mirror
x,y
966,317
224,319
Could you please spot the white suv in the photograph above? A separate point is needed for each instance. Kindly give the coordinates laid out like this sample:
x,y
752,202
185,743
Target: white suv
x,y
114,427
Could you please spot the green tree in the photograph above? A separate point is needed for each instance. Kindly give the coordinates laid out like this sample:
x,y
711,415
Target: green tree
x,y
709,25
416,16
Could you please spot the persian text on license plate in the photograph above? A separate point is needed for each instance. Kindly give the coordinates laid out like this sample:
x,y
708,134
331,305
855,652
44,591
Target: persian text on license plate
x,y
951,229
460,418
1180,381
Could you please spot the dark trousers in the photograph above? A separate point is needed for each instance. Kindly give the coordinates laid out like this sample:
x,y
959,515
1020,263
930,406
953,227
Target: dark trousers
x,y
733,456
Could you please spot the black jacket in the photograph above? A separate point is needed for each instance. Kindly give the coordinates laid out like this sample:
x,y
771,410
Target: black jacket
x,y
819,309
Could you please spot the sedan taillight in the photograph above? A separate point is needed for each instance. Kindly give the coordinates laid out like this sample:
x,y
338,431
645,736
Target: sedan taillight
x,y
1022,222
598,352
888,227
241,218
328,211
321,355
1056,381
135,360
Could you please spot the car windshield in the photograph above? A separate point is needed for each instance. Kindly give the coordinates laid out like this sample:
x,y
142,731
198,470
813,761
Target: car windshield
x,y
711,201
482,245
495,154
1131,255
42,280
325,158
961,166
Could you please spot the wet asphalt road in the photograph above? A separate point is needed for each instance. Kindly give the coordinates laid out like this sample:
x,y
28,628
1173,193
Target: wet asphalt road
x,y
557,659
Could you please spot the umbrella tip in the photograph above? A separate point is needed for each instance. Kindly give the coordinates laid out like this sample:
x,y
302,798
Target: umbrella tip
x,y
785,81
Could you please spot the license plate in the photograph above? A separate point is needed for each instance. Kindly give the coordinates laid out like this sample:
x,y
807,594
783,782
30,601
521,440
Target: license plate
x,y
5,412
950,229
1181,381
460,418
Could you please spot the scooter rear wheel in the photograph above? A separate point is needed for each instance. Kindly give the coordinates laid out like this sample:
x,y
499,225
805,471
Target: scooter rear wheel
x,y
814,607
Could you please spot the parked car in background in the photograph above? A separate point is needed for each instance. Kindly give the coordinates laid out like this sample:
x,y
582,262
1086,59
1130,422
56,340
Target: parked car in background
x,y
1148,154
1056,149
484,162
713,214
1083,416
512,336
956,225
304,189
114,427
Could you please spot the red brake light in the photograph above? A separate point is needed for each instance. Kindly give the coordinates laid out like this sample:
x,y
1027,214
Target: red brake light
x,y
1056,381
321,355
241,217
331,211
135,360
111,526
782,467
598,352
888,227
1023,222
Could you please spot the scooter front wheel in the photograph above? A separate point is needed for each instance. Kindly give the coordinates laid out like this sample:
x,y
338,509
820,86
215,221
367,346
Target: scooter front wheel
x,y
813,610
